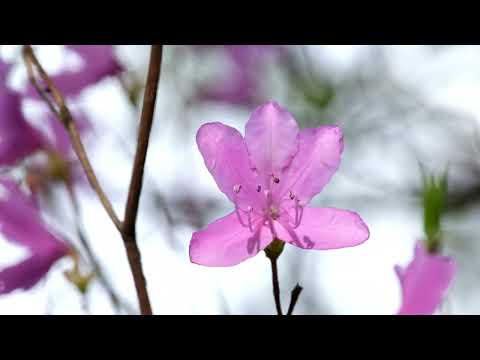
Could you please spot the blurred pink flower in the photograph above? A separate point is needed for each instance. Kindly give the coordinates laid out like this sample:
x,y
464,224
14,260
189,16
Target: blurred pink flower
x,y
17,138
424,282
20,222
240,85
271,176
99,62
61,162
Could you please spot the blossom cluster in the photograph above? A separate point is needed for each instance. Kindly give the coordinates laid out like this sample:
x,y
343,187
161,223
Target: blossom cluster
x,y
20,143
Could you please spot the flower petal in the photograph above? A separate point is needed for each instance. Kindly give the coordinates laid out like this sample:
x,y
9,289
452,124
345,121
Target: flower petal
x,y
424,282
98,62
271,135
225,155
236,88
20,222
226,243
57,136
17,138
328,228
27,273
20,219
318,158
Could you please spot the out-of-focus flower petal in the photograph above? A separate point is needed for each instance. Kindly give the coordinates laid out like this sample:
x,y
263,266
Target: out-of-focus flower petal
x,y
20,223
99,61
29,272
17,138
58,138
226,243
20,219
238,88
424,281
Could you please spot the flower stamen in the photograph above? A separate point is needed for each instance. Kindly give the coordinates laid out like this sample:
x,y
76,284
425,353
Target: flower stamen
x,y
298,213
236,190
250,210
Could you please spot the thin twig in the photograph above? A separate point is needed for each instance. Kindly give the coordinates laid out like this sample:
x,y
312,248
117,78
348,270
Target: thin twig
x,y
294,298
146,122
66,118
276,285
114,298
127,228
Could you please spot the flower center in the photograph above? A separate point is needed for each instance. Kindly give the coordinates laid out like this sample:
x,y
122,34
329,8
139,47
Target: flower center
x,y
274,213
271,209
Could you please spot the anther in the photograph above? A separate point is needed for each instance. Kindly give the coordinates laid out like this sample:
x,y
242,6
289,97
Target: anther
x,y
237,188
275,179
259,188
291,195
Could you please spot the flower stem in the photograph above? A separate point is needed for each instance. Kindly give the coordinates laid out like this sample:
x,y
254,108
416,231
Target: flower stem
x,y
273,252
276,285
294,297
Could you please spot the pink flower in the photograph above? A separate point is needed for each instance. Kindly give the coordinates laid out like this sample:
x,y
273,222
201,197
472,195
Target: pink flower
x,y
240,85
17,138
99,62
271,176
424,282
61,163
20,222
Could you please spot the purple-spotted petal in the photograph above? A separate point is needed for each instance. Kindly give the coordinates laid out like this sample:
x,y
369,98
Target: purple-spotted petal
x,y
317,159
225,155
271,135
226,243
326,228
424,282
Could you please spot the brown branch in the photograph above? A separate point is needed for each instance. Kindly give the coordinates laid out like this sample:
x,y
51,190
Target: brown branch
x,y
59,108
127,228
136,181
146,122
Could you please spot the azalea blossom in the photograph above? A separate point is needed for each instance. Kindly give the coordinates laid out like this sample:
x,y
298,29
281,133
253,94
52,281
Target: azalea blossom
x,y
98,62
424,281
61,162
18,139
240,84
270,176
20,223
